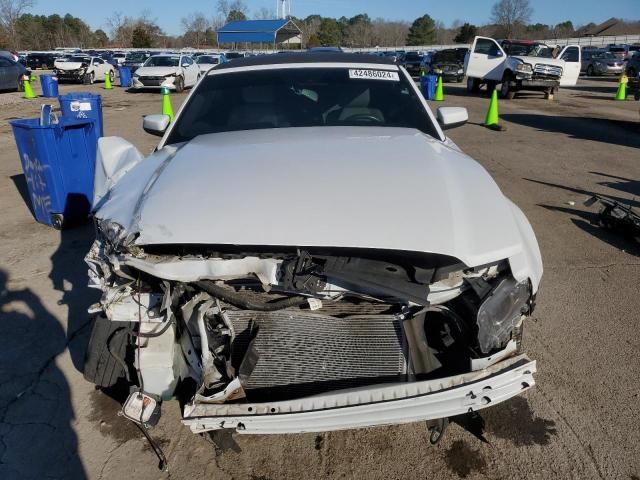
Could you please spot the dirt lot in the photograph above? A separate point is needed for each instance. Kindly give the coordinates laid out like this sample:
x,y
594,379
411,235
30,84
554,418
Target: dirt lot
x,y
580,421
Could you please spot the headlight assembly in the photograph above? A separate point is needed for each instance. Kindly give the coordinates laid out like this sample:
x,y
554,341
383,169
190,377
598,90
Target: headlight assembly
x,y
501,311
524,68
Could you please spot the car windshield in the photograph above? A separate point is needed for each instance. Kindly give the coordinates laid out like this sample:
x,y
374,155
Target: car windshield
x,y
448,56
304,97
135,57
617,49
412,57
162,62
207,60
78,59
529,50
604,56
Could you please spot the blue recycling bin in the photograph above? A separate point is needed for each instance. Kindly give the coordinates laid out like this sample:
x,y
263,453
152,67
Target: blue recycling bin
x,y
125,77
428,84
49,85
83,105
58,162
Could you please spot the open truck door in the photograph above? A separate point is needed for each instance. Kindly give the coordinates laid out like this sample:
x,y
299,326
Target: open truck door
x,y
485,60
572,56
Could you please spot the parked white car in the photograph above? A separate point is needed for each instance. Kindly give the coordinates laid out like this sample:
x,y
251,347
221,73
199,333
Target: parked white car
x,y
80,68
120,57
208,61
175,72
306,250
520,65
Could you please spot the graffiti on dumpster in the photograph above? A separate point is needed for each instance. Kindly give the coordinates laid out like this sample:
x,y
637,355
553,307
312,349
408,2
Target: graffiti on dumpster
x,y
34,173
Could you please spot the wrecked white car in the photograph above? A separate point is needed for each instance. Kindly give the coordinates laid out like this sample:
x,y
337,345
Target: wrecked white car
x,y
307,251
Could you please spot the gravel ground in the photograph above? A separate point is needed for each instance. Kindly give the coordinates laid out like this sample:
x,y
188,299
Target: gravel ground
x,y
580,420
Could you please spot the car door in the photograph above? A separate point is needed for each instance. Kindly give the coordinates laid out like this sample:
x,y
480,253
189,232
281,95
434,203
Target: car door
x,y
6,68
485,59
100,68
571,54
190,71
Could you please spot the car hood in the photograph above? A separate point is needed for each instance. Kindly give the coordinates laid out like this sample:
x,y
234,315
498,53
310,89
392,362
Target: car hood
x,y
70,65
361,187
536,60
156,71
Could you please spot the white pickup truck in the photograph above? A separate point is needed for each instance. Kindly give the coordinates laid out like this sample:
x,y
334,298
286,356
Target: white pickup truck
x,y
520,65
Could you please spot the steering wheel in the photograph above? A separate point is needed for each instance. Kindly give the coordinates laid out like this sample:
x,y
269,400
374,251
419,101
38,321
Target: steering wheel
x,y
363,117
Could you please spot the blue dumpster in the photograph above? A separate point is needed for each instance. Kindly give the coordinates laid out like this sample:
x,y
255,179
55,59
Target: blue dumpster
x,y
125,76
58,162
83,105
49,85
428,84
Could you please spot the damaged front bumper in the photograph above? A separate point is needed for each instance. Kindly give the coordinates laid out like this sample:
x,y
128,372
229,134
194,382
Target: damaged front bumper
x,y
371,406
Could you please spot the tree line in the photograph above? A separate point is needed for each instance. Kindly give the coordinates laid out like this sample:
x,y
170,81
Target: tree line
x,y
20,29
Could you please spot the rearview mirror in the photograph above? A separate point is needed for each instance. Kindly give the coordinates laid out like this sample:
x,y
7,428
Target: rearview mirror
x,y
450,117
156,124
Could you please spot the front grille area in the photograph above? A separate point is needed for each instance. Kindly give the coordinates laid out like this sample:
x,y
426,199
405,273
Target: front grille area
x,y
298,353
152,81
548,70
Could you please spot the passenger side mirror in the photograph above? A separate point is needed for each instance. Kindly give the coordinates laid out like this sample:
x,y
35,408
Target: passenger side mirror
x,y
156,124
451,117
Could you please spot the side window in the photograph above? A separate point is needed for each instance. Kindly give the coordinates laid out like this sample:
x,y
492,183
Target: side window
x,y
571,54
486,47
97,61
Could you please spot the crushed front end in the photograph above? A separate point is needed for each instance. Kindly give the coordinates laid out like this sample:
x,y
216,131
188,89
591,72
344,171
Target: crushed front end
x,y
292,339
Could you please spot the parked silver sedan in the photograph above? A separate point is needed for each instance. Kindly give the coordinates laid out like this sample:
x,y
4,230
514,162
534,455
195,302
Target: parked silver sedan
x,y
601,63
10,74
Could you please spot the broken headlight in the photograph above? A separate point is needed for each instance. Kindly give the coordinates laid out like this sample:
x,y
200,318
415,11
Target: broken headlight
x,y
524,68
500,312
114,234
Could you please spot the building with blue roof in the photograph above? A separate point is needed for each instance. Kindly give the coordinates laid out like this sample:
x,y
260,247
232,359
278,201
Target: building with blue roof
x,y
271,32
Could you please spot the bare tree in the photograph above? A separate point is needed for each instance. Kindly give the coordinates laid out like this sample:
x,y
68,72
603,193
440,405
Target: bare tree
x,y
10,12
225,7
264,14
195,26
511,15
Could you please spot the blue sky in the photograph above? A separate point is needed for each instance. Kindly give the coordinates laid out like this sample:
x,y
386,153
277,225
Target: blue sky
x,y
169,13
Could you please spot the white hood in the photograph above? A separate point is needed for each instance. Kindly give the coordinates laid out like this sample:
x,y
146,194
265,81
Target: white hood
x,y
536,60
70,66
383,188
156,71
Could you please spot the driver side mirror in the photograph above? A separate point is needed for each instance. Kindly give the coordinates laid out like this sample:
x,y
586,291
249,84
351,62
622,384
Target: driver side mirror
x,y
451,117
185,65
156,124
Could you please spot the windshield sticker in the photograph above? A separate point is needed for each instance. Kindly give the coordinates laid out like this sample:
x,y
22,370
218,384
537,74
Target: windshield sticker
x,y
374,75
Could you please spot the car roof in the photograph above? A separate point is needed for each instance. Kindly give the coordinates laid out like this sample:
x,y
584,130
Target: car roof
x,y
304,57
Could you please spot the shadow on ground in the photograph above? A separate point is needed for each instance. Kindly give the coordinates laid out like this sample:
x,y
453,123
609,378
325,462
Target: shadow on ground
x,y
69,276
615,132
37,439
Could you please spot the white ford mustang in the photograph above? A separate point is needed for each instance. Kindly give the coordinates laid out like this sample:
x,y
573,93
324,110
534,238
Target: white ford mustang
x,y
307,251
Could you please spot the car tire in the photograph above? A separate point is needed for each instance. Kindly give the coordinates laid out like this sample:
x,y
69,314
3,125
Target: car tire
x,y
179,84
89,78
112,76
473,85
506,92
491,86
108,341
20,87
632,72
590,71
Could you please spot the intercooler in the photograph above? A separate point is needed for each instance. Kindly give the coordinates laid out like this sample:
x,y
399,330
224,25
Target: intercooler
x,y
296,353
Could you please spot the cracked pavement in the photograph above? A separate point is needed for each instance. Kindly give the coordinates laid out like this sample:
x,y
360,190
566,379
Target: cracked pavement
x,y
580,421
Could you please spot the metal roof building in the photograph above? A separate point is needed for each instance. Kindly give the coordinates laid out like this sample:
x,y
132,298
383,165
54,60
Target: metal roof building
x,y
273,32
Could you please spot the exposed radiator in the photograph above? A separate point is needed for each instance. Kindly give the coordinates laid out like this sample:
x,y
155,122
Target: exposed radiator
x,y
301,353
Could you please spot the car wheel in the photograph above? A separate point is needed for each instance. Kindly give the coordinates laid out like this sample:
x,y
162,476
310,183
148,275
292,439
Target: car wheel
x,y
111,76
179,84
89,78
20,87
506,91
632,72
491,86
590,71
106,350
473,85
